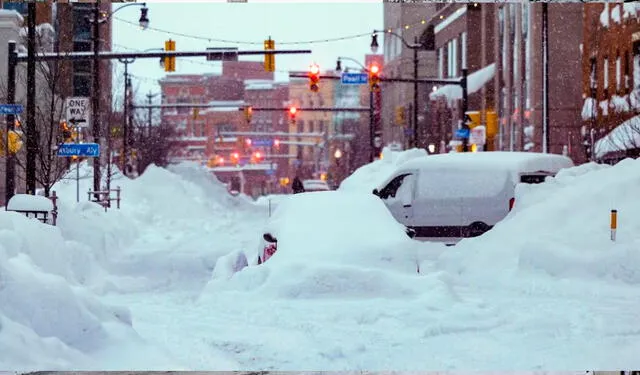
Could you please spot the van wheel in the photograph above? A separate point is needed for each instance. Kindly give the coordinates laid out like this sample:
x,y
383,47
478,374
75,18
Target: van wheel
x,y
477,229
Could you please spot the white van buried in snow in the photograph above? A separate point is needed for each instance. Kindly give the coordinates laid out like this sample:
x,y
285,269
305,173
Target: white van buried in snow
x,y
447,197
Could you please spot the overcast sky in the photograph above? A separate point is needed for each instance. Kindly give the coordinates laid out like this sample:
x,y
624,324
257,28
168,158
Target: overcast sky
x,y
249,24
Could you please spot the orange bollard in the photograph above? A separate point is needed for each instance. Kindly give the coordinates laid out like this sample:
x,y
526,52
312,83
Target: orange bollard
x,y
614,224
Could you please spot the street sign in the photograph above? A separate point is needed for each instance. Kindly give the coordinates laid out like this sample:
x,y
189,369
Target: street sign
x,y
262,142
77,110
478,135
462,133
354,78
270,172
91,150
408,132
11,109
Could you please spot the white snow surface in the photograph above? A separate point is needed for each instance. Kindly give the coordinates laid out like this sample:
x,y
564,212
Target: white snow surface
x,y
28,202
475,81
157,285
625,136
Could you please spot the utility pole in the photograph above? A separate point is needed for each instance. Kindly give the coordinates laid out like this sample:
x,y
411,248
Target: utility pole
x,y
125,120
465,123
545,82
32,140
95,110
371,124
10,173
149,97
415,92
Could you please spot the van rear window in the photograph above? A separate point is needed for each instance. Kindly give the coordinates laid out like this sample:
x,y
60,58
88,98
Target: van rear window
x,y
533,178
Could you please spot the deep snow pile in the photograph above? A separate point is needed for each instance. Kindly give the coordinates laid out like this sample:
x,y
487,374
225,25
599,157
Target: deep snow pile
x,y
52,314
343,245
561,229
370,176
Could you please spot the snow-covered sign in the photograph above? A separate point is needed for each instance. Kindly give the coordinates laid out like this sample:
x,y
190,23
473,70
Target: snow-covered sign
x,y
77,111
28,202
478,135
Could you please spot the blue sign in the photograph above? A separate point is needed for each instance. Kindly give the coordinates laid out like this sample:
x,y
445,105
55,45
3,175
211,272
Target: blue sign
x,y
11,109
408,131
462,133
91,150
270,172
354,78
262,142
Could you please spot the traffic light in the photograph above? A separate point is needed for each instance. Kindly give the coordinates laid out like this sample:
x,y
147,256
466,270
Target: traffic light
x,y
276,143
248,113
257,157
374,77
269,58
66,132
170,61
247,143
196,112
235,157
400,116
292,112
314,77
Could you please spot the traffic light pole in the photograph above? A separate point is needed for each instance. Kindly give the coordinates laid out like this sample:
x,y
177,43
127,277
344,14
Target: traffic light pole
x,y
10,183
32,139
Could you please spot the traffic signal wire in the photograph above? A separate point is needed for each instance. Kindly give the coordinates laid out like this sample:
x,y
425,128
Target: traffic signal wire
x,y
199,37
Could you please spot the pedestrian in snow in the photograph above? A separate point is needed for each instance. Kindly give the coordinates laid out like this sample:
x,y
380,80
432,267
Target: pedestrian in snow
x,y
297,186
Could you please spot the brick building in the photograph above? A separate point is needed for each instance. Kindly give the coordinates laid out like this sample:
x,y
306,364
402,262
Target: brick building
x,y
409,22
242,160
611,79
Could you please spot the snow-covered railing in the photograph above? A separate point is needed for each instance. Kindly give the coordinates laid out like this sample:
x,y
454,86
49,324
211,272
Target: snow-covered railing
x,y
35,206
104,197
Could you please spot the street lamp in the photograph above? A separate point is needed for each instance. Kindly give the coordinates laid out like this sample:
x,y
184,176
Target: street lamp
x,y
98,19
371,120
415,47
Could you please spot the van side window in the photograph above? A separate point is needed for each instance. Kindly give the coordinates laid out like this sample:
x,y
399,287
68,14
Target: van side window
x,y
392,187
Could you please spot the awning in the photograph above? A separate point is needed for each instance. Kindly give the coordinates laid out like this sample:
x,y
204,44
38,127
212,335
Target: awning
x,y
475,81
625,136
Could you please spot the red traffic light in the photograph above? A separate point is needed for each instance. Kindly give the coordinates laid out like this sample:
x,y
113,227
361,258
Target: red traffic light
x,y
276,142
235,155
314,69
292,111
248,141
375,69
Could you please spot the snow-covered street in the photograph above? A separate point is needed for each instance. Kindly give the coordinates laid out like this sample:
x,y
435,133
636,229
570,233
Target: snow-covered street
x,y
150,286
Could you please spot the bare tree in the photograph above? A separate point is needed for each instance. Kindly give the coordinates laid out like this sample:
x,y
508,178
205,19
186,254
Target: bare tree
x,y
49,105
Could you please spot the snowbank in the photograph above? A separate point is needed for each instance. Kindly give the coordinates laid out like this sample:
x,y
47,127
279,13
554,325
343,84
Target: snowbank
x,y
358,252
370,176
560,229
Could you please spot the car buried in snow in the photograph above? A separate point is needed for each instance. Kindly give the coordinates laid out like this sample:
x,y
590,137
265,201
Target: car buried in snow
x,y
350,228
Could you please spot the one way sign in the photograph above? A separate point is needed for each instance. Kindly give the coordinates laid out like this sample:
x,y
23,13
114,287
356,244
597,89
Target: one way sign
x,y
77,109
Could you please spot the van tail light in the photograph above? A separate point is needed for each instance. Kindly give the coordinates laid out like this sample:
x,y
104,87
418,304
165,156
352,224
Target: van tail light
x,y
512,201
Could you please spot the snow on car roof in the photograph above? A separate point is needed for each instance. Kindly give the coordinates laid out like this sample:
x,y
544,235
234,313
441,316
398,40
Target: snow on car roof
x,y
520,161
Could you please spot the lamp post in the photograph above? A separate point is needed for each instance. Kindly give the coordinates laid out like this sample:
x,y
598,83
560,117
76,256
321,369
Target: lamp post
x,y
371,119
96,20
415,47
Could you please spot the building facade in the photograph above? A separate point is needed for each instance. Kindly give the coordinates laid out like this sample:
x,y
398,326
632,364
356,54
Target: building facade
x,y
408,23
611,80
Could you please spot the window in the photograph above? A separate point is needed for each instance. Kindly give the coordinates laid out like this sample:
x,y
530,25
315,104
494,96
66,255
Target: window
x,y
593,82
440,62
452,69
81,85
626,71
392,187
463,49
606,73
618,73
